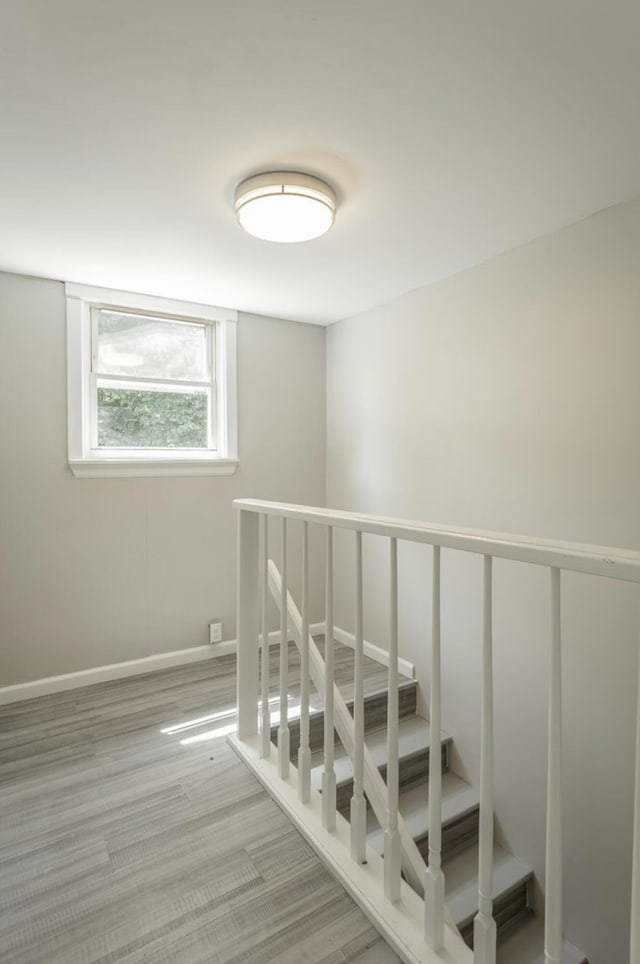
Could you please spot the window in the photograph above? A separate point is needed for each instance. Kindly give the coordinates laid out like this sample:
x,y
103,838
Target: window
x,y
151,385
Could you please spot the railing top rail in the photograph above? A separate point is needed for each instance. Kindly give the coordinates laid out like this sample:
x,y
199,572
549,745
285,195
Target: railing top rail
x,y
572,556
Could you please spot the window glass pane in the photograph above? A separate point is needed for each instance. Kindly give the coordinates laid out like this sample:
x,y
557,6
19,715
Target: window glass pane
x,y
152,418
151,347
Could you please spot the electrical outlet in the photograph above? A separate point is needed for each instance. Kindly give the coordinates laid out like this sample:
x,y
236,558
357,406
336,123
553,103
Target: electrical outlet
x,y
215,631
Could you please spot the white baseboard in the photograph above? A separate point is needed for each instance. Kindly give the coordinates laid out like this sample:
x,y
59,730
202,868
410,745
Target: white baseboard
x,y
113,671
274,637
180,657
373,652
132,667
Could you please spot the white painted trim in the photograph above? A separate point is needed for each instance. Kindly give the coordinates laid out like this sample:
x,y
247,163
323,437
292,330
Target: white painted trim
x,y
103,674
227,390
401,924
274,636
374,652
573,556
77,364
377,653
157,661
132,667
111,298
109,468
86,461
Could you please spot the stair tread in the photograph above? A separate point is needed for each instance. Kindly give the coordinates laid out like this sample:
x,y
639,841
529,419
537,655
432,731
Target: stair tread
x,y
372,689
526,946
461,880
458,799
413,737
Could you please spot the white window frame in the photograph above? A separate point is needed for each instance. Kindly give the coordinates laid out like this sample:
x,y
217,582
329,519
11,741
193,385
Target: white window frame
x,y
208,383
86,460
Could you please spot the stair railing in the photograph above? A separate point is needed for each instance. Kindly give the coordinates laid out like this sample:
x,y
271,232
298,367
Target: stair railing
x,y
372,783
440,940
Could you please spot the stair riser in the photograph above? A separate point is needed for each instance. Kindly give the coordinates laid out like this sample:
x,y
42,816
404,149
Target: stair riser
x,y
508,911
411,769
457,835
375,715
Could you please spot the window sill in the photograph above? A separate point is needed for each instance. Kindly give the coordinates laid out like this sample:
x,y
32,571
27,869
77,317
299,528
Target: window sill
x,y
150,468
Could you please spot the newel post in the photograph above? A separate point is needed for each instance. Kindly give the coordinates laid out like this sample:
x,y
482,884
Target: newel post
x,y
248,623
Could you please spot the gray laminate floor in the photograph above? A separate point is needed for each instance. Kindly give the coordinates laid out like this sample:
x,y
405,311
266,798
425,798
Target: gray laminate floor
x,y
119,842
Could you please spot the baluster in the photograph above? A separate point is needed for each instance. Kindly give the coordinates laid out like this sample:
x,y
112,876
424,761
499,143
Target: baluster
x,y
392,851
248,624
283,731
553,876
484,926
266,715
358,804
329,774
434,877
304,753
634,954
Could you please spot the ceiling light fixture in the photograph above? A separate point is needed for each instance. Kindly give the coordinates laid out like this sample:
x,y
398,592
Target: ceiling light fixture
x,y
285,206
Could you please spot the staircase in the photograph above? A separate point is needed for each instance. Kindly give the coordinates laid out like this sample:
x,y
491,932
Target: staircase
x,y
382,772
520,936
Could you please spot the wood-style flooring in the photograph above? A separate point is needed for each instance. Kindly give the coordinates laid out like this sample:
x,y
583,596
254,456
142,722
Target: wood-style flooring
x,y
123,843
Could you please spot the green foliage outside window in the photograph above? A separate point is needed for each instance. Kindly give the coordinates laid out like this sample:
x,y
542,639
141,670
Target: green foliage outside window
x,y
150,419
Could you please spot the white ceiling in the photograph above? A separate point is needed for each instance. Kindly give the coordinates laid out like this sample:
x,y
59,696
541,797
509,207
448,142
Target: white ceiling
x,y
452,130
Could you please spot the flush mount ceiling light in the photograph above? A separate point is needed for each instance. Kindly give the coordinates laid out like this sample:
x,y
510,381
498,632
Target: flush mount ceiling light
x,y
285,206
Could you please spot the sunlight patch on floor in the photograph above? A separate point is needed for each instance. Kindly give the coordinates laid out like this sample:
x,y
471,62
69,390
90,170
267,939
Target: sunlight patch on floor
x,y
227,728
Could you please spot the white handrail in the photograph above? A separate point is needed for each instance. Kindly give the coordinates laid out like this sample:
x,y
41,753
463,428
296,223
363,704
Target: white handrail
x,y
573,556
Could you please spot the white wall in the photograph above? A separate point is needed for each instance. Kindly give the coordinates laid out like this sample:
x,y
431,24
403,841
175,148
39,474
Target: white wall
x,y
97,571
507,398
